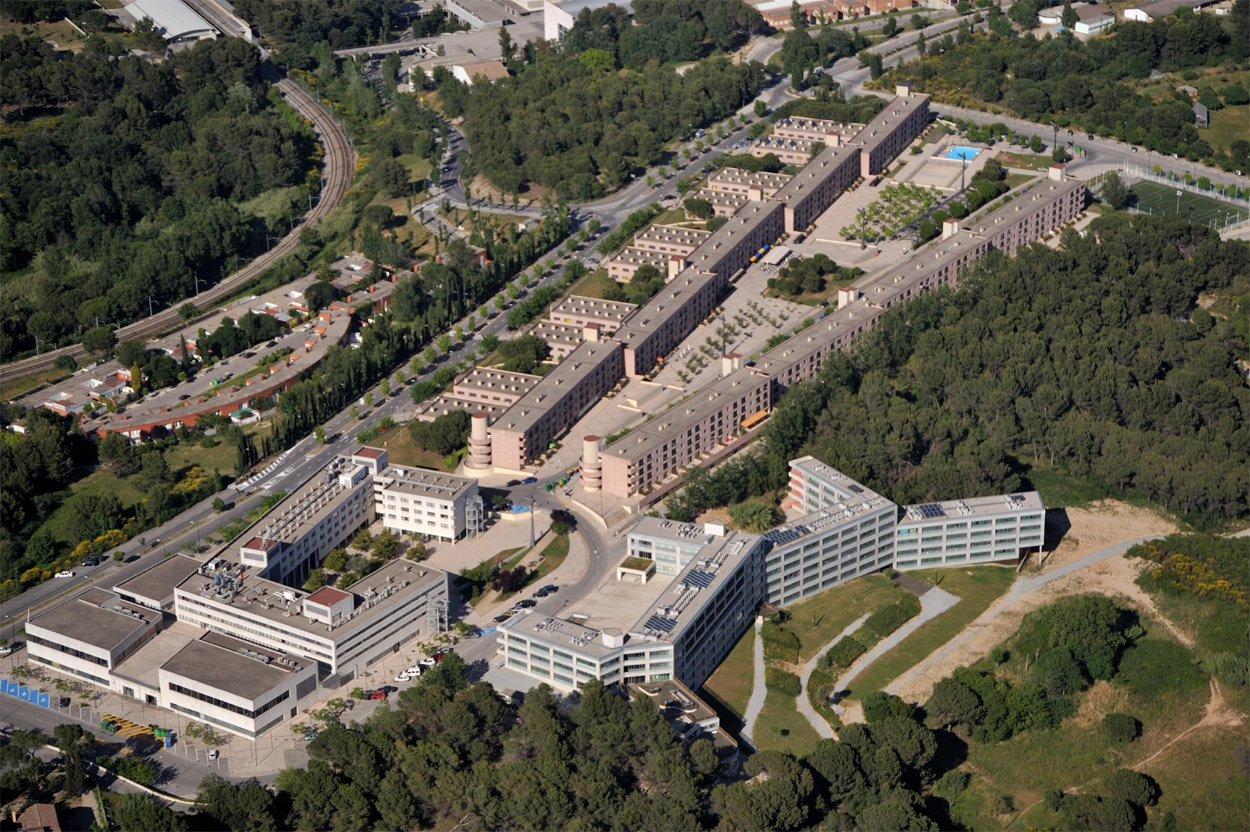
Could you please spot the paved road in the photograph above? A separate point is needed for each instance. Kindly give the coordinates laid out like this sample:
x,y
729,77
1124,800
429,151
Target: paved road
x,y
758,691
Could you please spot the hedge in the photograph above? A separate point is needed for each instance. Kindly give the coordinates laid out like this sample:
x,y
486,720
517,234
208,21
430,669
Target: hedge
x,y
843,653
781,681
888,619
779,643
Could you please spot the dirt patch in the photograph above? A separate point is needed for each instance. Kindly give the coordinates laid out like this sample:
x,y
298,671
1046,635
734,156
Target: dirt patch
x,y
1104,524
1103,698
1092,529
715,515
1218,713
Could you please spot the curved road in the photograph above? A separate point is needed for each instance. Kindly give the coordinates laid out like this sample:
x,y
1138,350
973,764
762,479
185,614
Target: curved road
x,y
340,166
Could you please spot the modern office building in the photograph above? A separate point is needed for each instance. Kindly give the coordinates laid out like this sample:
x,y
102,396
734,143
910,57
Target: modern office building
x,y
90,635
848,531
646,627
421,502
973,530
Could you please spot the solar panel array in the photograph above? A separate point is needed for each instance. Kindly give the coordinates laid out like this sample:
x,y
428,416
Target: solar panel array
x,y
659,623
695,578
931,510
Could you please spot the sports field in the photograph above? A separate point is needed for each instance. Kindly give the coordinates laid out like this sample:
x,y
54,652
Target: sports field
x,y
1159,198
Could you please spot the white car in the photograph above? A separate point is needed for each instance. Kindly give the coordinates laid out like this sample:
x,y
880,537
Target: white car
x,y
428,661
66,574
403,677
415,670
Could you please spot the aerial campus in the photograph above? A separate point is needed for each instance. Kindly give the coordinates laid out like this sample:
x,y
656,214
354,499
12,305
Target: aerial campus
x,y
797,447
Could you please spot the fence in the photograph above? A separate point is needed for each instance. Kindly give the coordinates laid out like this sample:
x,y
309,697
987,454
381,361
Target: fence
x,y
1133,172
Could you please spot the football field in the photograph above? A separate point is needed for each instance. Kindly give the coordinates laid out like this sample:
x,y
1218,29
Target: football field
x,y
1159,198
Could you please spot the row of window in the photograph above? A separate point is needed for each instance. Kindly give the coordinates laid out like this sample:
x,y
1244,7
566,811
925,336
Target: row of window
x,y
229,706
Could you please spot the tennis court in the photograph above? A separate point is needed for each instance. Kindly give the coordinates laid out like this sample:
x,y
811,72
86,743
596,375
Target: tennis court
x,y
1159,198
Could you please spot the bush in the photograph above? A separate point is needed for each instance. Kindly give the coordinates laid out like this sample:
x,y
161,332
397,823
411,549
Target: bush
x,y
779,643
1152,667
1133,786
888,619
754,516
781,681
953,784
1053,798
843,653
1121,728
879,706
1002,804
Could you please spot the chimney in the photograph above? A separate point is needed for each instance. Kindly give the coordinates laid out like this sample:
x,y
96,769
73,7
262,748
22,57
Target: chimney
x,y
847,296
590,332
903,90
755,193
950,227
730,363
1055,173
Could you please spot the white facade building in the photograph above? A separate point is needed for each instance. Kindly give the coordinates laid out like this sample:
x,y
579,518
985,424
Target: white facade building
x,y
974,530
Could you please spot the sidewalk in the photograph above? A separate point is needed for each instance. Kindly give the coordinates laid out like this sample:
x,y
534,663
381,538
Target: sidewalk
x,y
805,703
568,572
756,702
932,604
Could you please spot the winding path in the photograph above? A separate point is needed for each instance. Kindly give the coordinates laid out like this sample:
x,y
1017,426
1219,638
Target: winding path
x,y
756,703
805,702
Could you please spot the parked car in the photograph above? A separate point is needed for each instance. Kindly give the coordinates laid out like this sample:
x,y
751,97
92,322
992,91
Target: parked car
x,y
7,649
526,604
309,736
505,616
389,688
473,634
213,753
376,694
512,483
549,589
528,481
184,397
66,574
403,677
428,661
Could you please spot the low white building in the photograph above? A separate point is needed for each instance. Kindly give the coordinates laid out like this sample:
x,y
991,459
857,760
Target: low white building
x,y
480,72
174,19
559,18
417,501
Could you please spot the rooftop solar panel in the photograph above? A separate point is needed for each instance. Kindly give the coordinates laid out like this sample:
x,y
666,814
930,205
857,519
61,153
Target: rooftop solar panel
x,y
699,579
663,625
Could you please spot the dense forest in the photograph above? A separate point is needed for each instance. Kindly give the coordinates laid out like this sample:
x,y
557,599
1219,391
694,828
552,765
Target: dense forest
x,y
294,27
126,180
666,31
572,122
1090,84
1090,360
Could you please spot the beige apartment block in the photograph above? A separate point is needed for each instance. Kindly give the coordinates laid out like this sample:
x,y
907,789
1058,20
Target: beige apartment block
x,y
890,131
681,436
486,384
580,311
562,338
830,133
811,191
623,265
528,427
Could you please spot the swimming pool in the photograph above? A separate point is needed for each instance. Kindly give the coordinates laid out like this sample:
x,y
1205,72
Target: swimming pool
x,y
965,153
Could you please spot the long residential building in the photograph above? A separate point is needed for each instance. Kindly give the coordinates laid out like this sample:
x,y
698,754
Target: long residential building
x,y
630,466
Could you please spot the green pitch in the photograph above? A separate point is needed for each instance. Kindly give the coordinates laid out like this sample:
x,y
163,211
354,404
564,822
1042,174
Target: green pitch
x,y
1159,198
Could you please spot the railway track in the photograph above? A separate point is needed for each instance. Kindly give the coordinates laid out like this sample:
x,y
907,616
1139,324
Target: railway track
x,y
339,166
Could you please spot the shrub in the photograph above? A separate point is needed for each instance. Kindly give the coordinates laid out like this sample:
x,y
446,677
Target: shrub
x,y
1229,668
953,784
1152,667
779,643
879,705
781,681
1053,798
1002,804
1121,727
888,619
1133,786
843,653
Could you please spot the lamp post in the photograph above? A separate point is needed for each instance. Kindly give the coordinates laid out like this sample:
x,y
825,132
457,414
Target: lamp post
x,y
269,241
862,244
197,280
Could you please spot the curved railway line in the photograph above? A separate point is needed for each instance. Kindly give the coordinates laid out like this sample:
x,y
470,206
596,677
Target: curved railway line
x,y
339,166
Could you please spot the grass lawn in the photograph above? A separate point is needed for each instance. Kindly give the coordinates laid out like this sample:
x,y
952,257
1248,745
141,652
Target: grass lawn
x,y
729,688
1159,198
1021,159
976,587
593,285
126,490
553,554
814,298
16,388
220,457
817,620
1015,180
782,728
670,216
401,449
1227,126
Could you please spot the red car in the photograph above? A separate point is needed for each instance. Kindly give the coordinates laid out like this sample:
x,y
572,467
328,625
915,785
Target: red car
x,y
377,694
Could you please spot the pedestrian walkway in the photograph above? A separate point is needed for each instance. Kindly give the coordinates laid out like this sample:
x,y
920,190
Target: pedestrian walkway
x,y
756,703
805,704
1021,587
932,604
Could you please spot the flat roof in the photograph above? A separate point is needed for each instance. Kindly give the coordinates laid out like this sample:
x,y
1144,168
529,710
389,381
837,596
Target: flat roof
x,y
655,612
94,619
369,453
446,403
612,311
173,18
258,593
219,664
563,377
739,176
328,596
144,665
291,518
488,378
854,501
424,482
157,582
896,110
996,504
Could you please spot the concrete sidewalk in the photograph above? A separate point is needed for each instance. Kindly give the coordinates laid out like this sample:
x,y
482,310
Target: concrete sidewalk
x,y
805,705
756,703
932,604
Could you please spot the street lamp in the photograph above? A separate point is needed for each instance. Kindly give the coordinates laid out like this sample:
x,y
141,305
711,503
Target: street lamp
x,y
269,241
862,244
153,303
197,280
